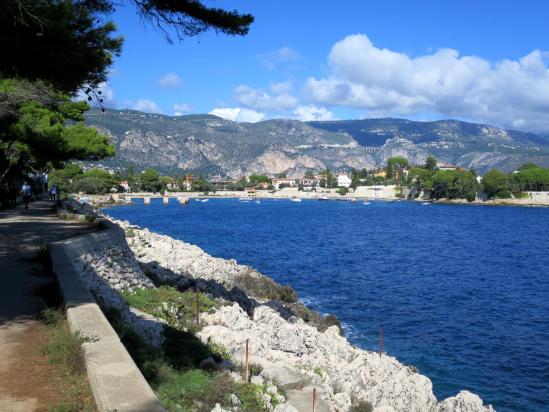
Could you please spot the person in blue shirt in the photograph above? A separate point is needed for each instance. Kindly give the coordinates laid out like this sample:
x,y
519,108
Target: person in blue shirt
x,y
53,193
26,192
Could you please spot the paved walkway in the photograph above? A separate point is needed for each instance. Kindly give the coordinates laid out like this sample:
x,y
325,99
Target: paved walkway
x,y
25,384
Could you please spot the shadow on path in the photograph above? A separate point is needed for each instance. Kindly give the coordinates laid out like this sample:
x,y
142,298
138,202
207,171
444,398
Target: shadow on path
x,y
24,282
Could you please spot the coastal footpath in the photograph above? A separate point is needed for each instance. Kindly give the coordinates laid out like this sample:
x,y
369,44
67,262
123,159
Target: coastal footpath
x,y
296,347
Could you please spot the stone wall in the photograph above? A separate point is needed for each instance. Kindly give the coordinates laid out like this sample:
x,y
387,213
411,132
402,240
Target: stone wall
x,y
116,382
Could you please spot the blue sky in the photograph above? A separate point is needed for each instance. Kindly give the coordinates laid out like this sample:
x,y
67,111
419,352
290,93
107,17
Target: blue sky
x,y
482,61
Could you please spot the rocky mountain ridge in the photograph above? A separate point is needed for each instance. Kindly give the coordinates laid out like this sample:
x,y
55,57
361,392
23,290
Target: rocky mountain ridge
x,y
209,145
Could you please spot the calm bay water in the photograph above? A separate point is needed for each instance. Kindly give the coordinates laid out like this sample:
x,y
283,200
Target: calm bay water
x,y
462,292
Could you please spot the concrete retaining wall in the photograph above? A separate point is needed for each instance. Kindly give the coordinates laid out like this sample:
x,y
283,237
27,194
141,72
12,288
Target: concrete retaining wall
x,y
538,197
116,382
376,192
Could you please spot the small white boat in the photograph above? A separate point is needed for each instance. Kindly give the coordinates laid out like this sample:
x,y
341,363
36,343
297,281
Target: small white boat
x,y
366,203
295,199
426,203
205,200
323,198
245,199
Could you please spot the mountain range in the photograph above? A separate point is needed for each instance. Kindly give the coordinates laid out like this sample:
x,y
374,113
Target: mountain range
x,y
210,145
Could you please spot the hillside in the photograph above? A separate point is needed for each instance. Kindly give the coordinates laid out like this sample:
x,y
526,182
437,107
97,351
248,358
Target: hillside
x,y
471,145
211,145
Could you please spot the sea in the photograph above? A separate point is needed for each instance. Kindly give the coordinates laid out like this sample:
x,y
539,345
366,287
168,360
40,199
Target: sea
x,y
460,291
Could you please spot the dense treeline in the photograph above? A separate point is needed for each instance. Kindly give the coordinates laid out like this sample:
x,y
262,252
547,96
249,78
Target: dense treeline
x,y
427,180
437,184
464,184
528,177
73,179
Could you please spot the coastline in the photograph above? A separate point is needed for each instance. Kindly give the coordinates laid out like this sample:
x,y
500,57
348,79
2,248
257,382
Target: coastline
x,y
493,202
120,199
280,338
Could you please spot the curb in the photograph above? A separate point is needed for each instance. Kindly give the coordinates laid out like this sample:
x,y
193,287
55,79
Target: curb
x,y
116,382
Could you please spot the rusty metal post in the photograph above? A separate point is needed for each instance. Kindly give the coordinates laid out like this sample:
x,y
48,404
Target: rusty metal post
x,y
246,366
197,306
380,341
314,399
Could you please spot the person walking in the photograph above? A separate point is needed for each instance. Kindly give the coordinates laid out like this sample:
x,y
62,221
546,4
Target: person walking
x,y
26,192
53,192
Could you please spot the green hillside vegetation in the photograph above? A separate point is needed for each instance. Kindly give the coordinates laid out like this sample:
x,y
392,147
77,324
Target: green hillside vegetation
x,y
529,177
463,184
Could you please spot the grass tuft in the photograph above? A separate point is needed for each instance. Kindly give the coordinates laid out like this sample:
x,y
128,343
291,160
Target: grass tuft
x,y
64,350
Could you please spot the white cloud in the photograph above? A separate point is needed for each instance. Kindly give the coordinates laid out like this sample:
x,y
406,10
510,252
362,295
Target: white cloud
x,y
238,114
146,105
282,87
181,108
310,112
271,60
170,81
510,93
260,100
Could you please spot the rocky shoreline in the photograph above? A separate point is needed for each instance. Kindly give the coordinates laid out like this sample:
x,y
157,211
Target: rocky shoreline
x,y
286,338
297,348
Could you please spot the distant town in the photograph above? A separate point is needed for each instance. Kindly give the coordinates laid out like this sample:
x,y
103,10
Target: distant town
x,y
398,179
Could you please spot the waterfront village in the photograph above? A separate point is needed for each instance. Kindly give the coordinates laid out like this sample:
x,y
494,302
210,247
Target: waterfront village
x,y
398,179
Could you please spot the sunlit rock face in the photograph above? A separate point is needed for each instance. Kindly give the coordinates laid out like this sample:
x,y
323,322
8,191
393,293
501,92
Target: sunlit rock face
x,y
209,145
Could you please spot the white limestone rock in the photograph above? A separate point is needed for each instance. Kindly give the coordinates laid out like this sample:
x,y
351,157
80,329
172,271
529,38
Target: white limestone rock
x,y
218,408
176,261
464,401
234,400
349,374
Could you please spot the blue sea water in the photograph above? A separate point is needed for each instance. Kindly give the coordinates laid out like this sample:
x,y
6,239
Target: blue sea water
x,y
462,292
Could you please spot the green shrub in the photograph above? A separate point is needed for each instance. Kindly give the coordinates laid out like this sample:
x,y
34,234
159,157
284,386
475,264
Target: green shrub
x,y
219,351
319,371
177,308
90,185
250,397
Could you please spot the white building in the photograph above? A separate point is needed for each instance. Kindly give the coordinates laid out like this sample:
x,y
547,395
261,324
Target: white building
x,y
309,184
284,182
343,180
